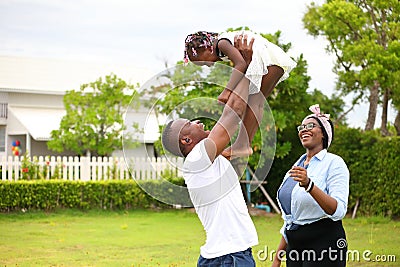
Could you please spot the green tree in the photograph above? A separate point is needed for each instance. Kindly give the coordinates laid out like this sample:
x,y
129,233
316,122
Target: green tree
x,y
93,124
364,35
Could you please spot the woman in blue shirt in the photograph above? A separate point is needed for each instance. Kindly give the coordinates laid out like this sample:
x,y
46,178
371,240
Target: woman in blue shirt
x,y
313,199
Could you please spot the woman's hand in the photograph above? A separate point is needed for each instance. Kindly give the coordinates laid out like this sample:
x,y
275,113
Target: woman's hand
x,y
325,201
246,49
299,174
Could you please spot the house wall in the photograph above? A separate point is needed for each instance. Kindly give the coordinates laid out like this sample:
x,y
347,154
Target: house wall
x,y
14,126
141,151
34,99
3,108
39,148
15,130
3,97
146,120
13,138
2,140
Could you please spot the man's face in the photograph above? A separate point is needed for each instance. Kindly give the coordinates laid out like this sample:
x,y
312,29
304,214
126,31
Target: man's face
x,y
193,130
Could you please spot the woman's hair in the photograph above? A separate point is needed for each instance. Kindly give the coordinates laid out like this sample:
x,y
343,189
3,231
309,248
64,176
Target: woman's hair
x,y
173,146
325,141
198,40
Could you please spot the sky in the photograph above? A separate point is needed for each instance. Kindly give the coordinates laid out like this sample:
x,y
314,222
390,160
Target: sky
x,y
148,34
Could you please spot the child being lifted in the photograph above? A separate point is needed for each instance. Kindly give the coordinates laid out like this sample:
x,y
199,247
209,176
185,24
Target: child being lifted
x,y
269,65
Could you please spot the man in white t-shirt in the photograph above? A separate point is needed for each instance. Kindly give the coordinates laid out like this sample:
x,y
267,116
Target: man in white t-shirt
x,y
213,183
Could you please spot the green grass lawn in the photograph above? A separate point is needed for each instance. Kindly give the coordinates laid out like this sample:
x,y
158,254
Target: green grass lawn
x,y
153,238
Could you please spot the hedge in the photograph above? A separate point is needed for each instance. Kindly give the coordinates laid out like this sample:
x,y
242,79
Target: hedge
x,y
374,165
113,194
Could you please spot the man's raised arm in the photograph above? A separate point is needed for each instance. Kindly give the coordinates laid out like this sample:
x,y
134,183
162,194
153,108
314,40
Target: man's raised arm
x,y
227,124
233,112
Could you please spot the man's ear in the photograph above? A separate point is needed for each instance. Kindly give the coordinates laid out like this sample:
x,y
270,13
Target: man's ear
x,y
186,140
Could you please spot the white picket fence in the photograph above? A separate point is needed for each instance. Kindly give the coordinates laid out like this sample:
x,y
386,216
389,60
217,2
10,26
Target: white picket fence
x,y
88,169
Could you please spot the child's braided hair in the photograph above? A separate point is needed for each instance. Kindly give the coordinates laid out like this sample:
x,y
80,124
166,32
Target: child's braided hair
x,y
197,40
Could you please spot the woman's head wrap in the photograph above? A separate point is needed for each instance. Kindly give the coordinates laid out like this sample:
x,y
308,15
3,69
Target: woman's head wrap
x,y
325,123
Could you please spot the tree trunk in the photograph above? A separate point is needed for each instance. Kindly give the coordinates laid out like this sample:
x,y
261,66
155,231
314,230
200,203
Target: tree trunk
x,y
385,104
397,123
373,105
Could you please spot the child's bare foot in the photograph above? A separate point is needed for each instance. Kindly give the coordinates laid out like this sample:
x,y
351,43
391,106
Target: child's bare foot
x,y
224,96
238,152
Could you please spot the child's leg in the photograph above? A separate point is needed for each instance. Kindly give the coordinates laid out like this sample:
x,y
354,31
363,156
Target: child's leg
x,y
270,80
253,115
224,96
254,111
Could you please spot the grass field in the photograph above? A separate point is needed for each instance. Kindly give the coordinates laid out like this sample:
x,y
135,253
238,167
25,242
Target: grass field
x,y
154,238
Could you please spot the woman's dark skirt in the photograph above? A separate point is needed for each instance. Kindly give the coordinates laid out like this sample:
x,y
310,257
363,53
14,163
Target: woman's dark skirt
x,y
322,243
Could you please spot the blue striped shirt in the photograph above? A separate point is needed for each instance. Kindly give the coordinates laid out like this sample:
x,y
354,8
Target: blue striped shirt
x,y
329,173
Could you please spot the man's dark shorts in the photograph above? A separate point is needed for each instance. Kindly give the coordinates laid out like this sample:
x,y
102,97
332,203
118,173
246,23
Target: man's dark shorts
x,y
237,259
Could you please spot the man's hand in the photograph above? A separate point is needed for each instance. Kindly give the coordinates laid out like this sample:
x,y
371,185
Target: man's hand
x,y
246,49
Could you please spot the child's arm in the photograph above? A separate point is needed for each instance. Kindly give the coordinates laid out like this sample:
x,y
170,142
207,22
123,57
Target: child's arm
x,y
240,65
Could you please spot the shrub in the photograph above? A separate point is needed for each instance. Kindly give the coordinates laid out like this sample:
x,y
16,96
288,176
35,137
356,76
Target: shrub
x,y
51,194
373,162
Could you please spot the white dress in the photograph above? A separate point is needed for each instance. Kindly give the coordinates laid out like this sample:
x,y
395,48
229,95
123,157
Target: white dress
x,y
265,54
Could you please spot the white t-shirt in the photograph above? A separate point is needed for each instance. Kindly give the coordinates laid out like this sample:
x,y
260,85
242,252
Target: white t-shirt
x,y
216,195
